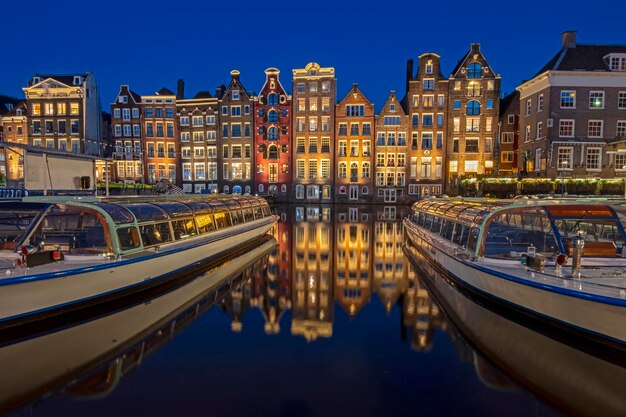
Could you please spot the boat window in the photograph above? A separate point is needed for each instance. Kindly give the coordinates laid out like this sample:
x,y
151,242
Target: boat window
x,y
146,212
72,230
512,233
119,214
602,237
461,235
128,237
436,227
447,229
205,223
258,211
155,233
14,224
199,207
266,210
222,219
236,216
473,238
183,229
248,215
174,209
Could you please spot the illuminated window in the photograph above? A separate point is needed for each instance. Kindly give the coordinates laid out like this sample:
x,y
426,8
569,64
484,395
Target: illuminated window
x,y
596,99
568,99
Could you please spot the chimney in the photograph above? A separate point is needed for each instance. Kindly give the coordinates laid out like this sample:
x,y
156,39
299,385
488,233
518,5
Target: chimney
x,y
409,72
180,90
568,39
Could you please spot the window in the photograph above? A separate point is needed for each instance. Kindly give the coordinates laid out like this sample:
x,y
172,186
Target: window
x,y
540,102
621,100
527,133
313,87
439,119
236,132
471,166
343,170
300,88
391,139
596,99
367,129
471,145
566,128
429,84
539,133
427,120
620,132
312,168
507,156
565,158
354,129
568,99
355,111
454,167
474,70
457,124
511,119
62,109
595,128
429,100
617,62
380,159
439,140
170,130
487,144
426,167
343,129
136,131
312,145
126,130
472,124
390,121
457,104
158,112
74,108
440,100
300,168
529,105
427,140
455,145
594,159
74,127
200,171
325,165
488,124
159,130
235,111
272,116
489,104
473,108
620,161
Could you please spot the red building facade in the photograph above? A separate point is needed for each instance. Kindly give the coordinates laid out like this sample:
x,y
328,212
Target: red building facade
x,y
272,127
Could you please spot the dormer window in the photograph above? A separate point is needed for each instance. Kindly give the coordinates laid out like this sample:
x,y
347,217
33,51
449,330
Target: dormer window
x,y
429,68
123,99
616,62
78,80
36,80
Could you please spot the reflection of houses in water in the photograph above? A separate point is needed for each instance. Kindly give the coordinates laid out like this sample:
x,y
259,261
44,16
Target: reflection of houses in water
x,y
390,277
421,315
238,301
353,260
312,314
272,289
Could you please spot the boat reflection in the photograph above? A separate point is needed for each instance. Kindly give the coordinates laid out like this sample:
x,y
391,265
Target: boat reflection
x,y
570,378
88,360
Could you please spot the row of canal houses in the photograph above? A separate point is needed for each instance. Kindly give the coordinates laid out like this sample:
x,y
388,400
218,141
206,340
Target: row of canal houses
x,y
307,145
569,120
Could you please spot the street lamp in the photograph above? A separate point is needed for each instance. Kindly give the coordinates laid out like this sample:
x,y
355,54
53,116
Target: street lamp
x,y
564,164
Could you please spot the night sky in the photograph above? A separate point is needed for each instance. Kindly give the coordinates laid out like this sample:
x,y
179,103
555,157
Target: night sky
x,y
149,45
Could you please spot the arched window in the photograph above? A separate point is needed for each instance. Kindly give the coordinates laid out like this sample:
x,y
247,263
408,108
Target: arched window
x,y
272,133
261,188
283,188
248,189
226,189
272,116
365,190
273,190
342,169
473,108
272,99
237,189
474,70
272,152
354,170
365,170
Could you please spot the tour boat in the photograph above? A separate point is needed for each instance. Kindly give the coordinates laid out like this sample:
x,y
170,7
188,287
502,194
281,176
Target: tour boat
x,y
562,262
89,359
579,380
61,253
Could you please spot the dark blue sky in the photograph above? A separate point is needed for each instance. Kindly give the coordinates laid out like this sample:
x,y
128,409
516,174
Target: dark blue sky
x,y
149,45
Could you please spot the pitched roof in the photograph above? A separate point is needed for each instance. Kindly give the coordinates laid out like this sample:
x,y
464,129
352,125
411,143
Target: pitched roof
x,y
136,96
67,79
165,92
508,100
203,94
7,104
582,57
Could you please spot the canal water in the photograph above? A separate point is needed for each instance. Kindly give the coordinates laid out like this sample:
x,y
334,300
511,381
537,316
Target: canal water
x,y
328,318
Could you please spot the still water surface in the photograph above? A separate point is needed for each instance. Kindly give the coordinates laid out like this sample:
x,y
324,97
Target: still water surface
x,y
330,318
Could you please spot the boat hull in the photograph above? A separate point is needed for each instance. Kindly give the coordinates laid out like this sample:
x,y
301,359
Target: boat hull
x,y
33,297
597,318
573,379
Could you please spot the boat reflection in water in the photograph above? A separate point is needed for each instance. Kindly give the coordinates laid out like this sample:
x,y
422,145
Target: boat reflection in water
x,y
89,359
572,379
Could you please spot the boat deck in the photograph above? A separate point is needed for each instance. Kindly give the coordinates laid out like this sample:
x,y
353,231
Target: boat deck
x,y
608,280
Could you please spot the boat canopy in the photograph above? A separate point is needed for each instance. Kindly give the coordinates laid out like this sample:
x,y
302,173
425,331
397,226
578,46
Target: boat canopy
x,y
466,212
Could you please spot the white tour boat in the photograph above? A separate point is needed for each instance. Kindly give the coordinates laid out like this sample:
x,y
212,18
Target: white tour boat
x,y
562,262
60,254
